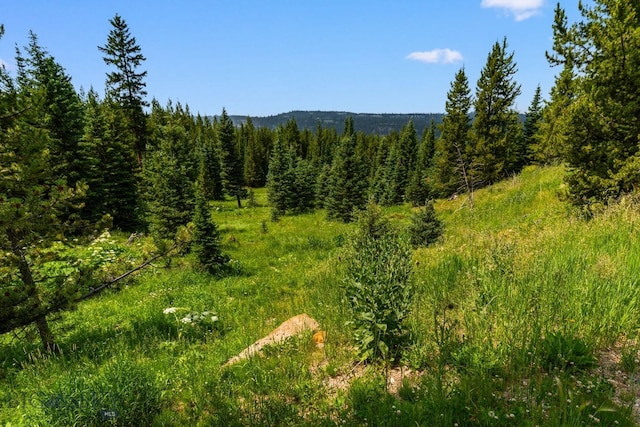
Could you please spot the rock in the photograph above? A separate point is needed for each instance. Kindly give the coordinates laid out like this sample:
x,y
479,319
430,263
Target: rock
x,y
319,338
291,327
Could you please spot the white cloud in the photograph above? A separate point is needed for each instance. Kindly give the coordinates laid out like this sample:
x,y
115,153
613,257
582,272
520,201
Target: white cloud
x,y
521,9
436,56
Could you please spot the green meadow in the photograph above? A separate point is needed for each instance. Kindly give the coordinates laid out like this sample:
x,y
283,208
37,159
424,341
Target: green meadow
x,y
524,314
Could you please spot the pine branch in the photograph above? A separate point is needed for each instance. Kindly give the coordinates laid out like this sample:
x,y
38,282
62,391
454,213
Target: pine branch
x,y
105,285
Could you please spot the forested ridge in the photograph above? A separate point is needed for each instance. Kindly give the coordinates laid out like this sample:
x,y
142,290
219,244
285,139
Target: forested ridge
x,y
369,123
76,165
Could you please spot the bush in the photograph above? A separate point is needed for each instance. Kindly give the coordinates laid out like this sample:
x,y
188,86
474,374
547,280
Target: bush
x,y
425,228
378,286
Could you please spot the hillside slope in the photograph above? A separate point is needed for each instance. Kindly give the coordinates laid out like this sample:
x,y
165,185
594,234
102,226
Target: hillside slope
x,y
523,315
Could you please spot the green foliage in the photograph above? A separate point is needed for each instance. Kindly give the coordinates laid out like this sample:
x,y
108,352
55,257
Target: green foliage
x,y
496,125
111,177
602,127
425,228
483,299
281,178
232,173
210,171
532,121
451,158
346,183
33,207
206,238
418,190
195,325
561,351
59,109
121,393
170,172
256,157
378,287
126,85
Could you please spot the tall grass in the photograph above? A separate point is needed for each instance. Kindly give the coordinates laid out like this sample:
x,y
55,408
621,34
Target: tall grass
x,y
512,308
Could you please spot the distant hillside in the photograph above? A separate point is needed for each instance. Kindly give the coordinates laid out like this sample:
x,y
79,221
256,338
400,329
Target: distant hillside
x,y
380,124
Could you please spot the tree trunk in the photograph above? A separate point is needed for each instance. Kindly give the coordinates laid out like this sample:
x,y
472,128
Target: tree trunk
x,y
27,278
239,204
45,334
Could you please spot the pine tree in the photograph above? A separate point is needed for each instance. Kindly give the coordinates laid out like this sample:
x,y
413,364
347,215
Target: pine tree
x,y
111,174
305,179
347,182
393,176
602,124
451,161
281,179
408,146
532,121
126,84
427,147
290,182
379,178
232,168
170,172
425,228
496,125
206,237
211,171
32,204
255,172
550,140
419,188
60,109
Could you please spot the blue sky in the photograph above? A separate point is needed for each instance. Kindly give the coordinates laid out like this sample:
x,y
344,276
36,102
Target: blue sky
x,y
259,57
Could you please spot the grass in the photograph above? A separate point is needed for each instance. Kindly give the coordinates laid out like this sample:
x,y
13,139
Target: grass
x,y
512,312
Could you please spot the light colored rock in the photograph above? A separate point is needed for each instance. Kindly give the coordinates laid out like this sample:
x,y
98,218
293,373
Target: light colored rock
x,y
291,327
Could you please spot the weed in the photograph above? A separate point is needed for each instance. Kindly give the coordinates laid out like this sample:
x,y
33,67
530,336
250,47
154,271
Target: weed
x,y
564,352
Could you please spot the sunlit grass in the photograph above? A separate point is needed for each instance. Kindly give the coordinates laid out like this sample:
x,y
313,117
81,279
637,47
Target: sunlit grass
x,y
516,269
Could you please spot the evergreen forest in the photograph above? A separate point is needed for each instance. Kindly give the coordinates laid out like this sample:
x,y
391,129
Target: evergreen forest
x,y
475,267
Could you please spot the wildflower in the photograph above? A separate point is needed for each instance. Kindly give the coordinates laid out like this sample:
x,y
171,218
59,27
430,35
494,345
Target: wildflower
x,y
186,319
169,310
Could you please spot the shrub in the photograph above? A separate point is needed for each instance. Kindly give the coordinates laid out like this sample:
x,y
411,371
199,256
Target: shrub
x,y
425,227
378,286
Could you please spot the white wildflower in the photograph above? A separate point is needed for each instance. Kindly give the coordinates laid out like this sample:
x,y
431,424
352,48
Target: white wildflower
x,y
186,319
169,310
214,318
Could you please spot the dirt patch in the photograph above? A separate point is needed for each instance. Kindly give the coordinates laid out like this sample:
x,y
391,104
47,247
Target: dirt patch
x,y
626,385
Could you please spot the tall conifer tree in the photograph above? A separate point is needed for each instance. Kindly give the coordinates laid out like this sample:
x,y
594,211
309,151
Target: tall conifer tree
x,y
602,148
346,183
33,206
496,125
126,85
451,162
232,168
